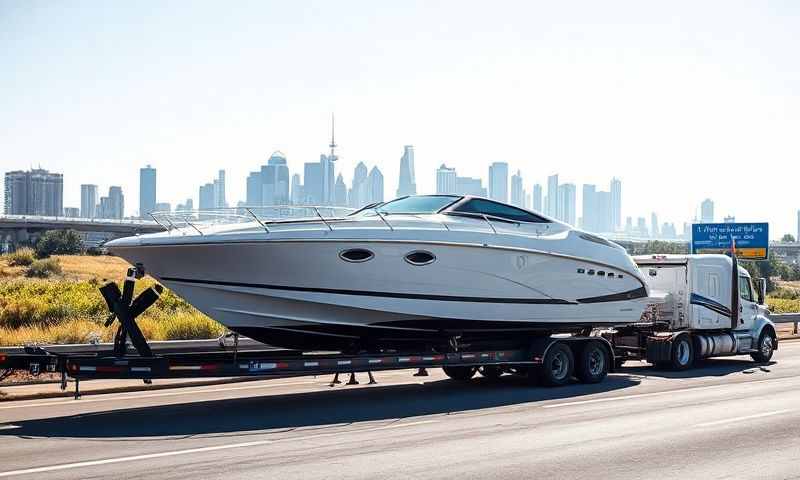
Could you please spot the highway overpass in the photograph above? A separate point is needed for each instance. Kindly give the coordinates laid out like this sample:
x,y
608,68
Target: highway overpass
x,y
22,229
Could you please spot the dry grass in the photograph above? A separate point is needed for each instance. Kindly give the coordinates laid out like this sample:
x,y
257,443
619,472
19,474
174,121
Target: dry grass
x,y
86,267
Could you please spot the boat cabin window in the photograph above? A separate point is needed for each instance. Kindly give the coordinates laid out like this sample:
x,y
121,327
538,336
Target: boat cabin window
x,y
744,288
498,210
417,204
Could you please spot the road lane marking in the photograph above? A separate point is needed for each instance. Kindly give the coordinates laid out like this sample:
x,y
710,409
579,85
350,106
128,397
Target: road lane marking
x,y
189,451
666,392
739,419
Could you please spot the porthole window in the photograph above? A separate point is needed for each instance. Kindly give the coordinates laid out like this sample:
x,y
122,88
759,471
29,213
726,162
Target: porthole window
x,y
356,255
420,257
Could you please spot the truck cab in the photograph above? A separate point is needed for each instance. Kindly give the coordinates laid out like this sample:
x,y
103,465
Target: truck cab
x,y
692,312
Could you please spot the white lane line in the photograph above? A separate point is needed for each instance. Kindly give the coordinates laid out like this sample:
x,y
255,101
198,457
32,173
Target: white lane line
x,y
190,391
189,451
740,419
666,392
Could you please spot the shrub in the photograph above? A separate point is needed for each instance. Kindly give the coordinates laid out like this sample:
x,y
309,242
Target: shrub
x,y
22,257
44,268
59,242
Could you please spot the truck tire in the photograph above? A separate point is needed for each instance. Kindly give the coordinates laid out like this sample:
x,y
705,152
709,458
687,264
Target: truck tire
x,y
462,374
491,372
765,346
682,353
593,363
558,366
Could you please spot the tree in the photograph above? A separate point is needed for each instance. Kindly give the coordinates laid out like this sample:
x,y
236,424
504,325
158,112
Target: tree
x,y
788,238
59,242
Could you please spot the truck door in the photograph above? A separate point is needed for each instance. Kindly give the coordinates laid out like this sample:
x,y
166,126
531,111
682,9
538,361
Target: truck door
x,y
747,308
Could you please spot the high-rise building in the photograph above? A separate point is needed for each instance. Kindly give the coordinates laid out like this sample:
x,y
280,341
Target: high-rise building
x,y
604,222
88,201
255,190
654,231
34,192
340,192
207,197
113,206
589,213
163,207
147,191
551,203
641,227
375,180
445,180
297,190
707,211
275,180
566,203
629,225
498,181
616,204
219,191
407,184
729,219
798,227
185,207
517,192
359,193
470,186
537,198
312,183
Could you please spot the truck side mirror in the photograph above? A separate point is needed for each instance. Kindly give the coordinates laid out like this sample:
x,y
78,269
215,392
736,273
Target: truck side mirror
x,y
762,290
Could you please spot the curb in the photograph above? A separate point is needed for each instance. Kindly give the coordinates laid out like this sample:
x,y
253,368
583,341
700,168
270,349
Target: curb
x,y
10,397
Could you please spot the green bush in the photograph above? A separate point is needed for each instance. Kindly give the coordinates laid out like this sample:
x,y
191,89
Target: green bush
x,y
59,242
44,268
22,257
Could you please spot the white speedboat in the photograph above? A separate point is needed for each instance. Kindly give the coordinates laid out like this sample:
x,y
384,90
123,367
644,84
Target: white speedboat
x,y
429,270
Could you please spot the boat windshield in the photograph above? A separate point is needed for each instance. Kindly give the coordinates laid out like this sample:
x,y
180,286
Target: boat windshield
x,y
417,204
496,210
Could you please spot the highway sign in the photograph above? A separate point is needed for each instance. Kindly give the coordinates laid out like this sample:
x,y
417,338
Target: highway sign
x,y
752,239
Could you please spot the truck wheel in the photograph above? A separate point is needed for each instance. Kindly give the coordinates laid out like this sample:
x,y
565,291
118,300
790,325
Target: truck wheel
x,y
460,373
766,347
491,372
558,365
682,353
592,365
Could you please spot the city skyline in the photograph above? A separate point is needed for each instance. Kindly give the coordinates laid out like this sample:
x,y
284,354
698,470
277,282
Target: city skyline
x,y
588,92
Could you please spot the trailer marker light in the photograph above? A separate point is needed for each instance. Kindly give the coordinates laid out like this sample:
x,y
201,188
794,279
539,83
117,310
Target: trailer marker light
x,y
185,367
375,360
2,357
311,364
344,362
403,359
87,369
140,369
468,355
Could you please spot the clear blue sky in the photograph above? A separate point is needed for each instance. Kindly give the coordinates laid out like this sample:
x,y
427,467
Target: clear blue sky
x,y
682,100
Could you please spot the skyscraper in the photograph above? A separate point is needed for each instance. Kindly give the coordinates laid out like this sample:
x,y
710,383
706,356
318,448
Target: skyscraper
x,y
407,184
312,183
207,197
113,206
219,190
147,190
375,180
604,222
340,192
498,181
470,186
654,230
537,198
359,193
566,203
34,192
445,180
517,192
275,180
255,190
589,217
551,203
88,201
616,204
707,211
297,190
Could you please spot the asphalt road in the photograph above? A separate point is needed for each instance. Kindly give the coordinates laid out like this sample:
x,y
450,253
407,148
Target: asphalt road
x,y
726,419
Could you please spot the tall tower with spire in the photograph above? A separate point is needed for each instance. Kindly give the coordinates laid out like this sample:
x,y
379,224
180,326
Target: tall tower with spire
x,y
407,184
328,169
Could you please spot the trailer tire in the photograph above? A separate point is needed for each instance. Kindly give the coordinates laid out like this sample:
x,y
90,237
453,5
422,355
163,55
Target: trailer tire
x,y
682,355
593,362
765,346
491,372
462,374
558,366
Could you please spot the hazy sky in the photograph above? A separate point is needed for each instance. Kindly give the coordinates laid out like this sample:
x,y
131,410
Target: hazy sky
x,y
681,100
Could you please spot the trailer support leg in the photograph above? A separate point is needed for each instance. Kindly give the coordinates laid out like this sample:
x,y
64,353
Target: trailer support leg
x,y
77,388
352,380
371,378
422,372
335,380
63,378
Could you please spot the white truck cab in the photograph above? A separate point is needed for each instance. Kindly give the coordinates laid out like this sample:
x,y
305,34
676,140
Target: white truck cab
x,y
692,318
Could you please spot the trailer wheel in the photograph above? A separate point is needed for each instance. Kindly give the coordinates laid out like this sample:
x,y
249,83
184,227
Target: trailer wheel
x,y
682,353
492,372
766,347
460,373
592,365
558,365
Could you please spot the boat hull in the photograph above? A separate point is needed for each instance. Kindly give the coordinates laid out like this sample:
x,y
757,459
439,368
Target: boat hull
x,y
302,294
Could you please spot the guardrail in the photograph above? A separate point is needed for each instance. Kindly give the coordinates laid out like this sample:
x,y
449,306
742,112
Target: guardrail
x,y
786,318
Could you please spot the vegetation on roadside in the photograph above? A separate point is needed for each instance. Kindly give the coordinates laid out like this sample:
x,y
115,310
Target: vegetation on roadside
x,y
59,242
65,306
22,257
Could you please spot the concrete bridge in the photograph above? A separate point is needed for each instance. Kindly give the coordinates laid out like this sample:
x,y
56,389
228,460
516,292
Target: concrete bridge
x,y
22,229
